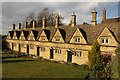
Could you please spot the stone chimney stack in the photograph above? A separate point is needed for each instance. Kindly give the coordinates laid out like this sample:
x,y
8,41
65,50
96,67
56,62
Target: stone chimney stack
x,y
19,25
26,24
94,13
44,22
57,21
34,24
104,14
73,23
13,25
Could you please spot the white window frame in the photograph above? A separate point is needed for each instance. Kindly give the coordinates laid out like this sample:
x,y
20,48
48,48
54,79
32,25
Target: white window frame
x,y
42,38
77,40
108,41
102,41
57,39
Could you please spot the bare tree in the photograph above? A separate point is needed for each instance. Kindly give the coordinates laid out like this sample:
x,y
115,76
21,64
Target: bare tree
x,y
50,17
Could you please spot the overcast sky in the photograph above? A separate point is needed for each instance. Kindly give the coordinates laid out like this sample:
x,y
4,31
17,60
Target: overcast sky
x,y
17,11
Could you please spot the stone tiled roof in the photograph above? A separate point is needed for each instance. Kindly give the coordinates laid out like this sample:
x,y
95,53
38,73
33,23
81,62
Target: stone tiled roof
x,y
18,34
11,33
47,32
90,32
112,20
35,33
25,33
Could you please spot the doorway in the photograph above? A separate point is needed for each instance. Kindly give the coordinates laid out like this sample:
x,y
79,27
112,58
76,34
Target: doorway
x,y
19,48
38,54
51,53
28,49
69,56
12,47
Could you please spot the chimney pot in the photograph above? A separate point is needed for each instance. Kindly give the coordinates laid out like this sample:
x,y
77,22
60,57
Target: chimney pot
x,y
44,22
94,21
57,21
19,25
73,23
104,14
13,25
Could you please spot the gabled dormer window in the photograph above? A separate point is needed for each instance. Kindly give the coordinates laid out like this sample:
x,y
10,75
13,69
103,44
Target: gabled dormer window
x,y
14,37
77,40
105,41
43,39
22,38
57,39
31,37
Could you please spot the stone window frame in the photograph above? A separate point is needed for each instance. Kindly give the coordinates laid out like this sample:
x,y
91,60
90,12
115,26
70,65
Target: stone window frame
x,y
58,51
22,38
43,49
22,45
77,40
31,37
57,39
31,46
78,54
14,37
42,38
105,40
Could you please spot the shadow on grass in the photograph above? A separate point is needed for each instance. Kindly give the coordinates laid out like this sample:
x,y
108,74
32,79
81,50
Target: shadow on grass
x,y
7,57
12,61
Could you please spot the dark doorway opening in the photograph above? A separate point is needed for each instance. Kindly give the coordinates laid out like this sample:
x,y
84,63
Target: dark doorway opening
x,y
69,56
12,47
38,54
19,48
28,49
51,53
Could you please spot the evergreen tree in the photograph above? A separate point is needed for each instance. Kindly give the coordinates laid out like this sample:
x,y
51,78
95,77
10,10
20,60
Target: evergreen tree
x,y
95,57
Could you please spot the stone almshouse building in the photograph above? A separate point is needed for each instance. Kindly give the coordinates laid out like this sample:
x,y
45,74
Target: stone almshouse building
x,y
69,43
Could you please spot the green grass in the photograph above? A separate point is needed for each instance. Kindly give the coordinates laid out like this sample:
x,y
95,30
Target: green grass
x,y
36,68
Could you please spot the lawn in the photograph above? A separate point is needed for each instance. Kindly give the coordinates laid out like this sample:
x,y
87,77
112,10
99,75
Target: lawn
x,y
37,68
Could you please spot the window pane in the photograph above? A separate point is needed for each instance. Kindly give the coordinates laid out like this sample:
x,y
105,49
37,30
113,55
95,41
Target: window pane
x,y
42,49
76,40
80,54
60,51
75,53
43,38
55,50
103,41
107,41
